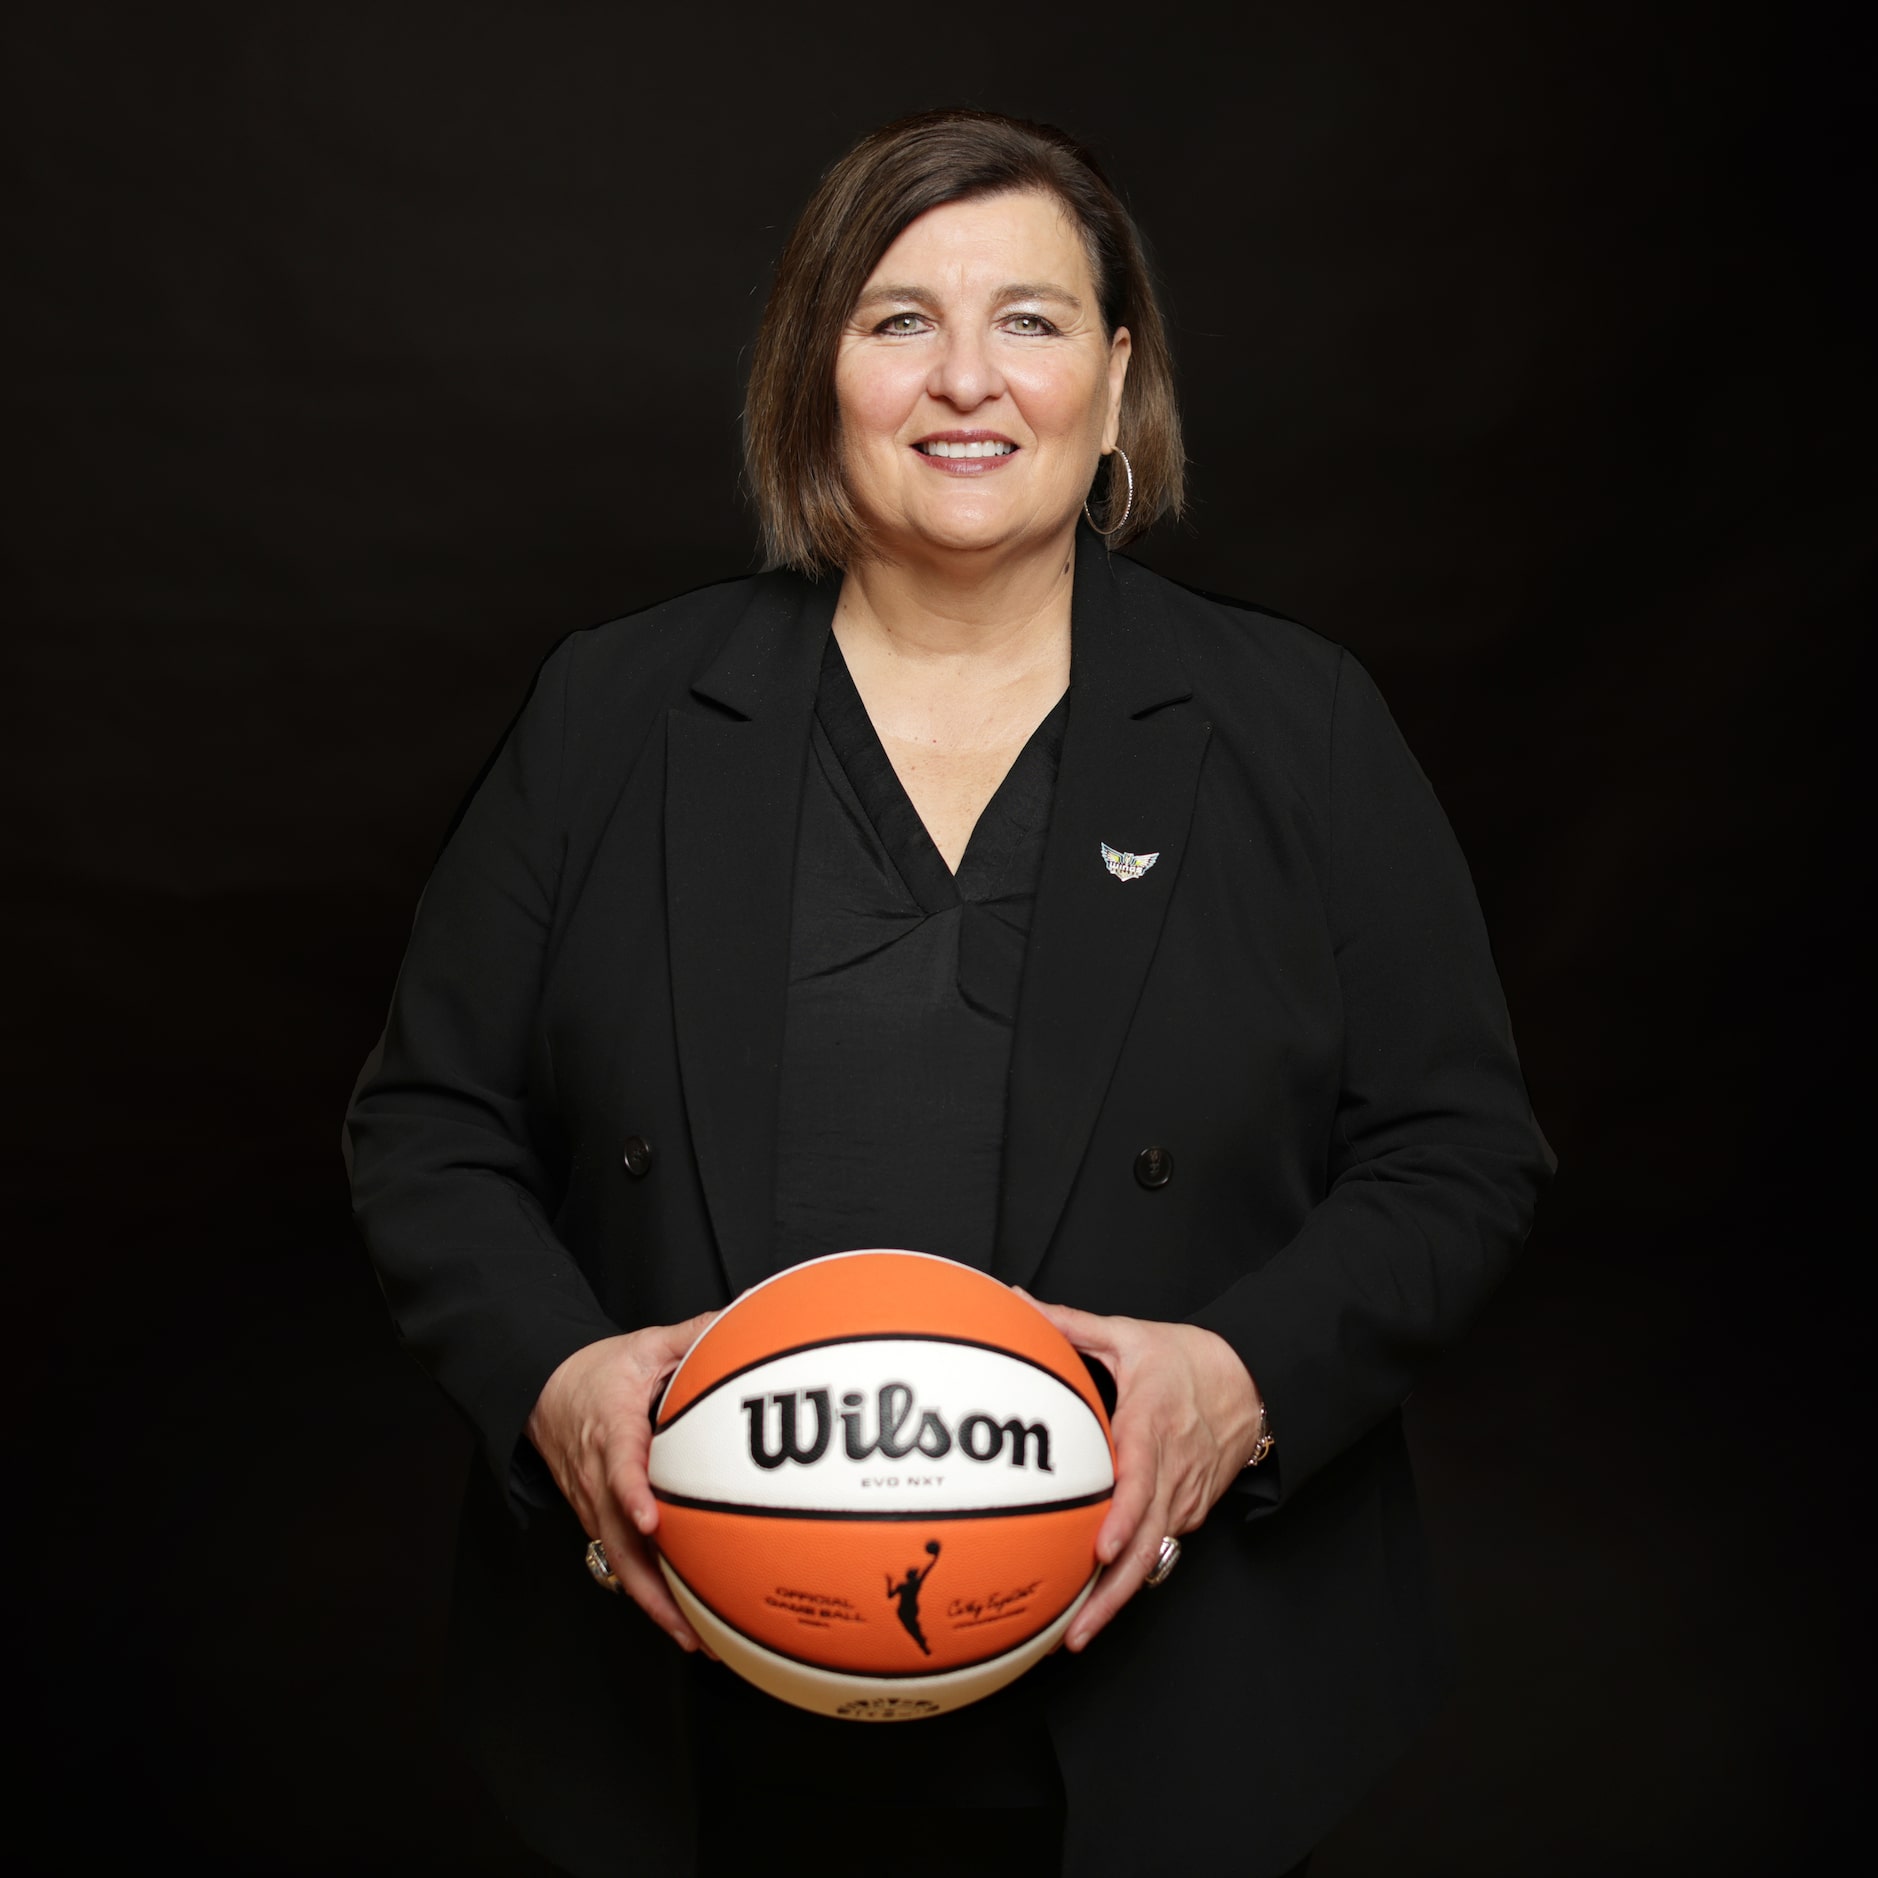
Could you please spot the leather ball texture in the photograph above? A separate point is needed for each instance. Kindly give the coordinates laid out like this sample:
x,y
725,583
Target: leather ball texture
x,y
880,1476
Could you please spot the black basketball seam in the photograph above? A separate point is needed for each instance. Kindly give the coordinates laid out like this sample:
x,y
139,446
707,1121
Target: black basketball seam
x,y
867,1336
906,1516
860,1675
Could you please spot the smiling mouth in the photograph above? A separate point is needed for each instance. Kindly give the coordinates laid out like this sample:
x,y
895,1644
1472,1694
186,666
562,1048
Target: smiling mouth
x,y
977,447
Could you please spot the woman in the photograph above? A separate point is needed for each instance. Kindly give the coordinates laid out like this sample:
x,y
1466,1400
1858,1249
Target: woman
x,y
955,885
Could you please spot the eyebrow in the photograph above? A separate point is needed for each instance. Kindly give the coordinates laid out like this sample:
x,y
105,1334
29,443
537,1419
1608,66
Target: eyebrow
x,y
1015,290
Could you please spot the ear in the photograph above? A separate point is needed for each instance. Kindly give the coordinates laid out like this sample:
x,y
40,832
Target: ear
x,y
1120,348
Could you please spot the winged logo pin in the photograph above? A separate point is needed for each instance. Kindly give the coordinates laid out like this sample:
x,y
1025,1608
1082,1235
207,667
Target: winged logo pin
x,y
1125,866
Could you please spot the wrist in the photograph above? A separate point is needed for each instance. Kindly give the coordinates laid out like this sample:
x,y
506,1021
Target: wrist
x,y
1245,1427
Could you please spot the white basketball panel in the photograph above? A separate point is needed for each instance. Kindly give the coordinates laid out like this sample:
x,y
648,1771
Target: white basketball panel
x,y
906,1425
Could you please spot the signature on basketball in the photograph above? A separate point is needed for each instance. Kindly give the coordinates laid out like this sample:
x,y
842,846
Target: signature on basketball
x,y
899,1427
966,1612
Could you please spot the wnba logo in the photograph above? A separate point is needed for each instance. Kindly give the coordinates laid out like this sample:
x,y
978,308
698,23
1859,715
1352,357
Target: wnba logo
x,y
898,1429
905,1594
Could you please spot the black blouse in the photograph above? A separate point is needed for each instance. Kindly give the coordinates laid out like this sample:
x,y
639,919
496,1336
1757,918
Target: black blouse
x,y
903,982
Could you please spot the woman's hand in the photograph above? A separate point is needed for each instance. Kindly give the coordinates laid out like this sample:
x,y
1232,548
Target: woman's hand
x,y
1186,1420
593,1427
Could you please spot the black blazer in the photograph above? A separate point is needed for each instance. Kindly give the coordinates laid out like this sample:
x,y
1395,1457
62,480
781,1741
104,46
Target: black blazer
x,y
1297,1001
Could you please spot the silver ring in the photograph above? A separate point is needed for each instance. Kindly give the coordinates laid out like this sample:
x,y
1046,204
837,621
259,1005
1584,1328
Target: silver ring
x,y
601,1567
1165,1563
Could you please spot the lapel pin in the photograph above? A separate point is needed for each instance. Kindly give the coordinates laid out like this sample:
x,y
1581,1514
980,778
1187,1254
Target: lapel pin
x,y
1126,866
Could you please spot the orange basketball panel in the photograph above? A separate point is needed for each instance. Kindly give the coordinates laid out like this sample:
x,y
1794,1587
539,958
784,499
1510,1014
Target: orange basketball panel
x,y
873,1293
834,1592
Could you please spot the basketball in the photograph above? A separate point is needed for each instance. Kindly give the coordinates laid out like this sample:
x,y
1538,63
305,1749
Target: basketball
x,y
880,1476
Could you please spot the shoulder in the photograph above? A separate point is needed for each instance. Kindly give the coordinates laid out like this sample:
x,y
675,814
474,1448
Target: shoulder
x,y
619,678
1250,666
661,649
599,699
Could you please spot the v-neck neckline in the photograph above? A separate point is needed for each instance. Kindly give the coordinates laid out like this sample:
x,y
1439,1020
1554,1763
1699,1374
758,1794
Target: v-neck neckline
x,y
1016,805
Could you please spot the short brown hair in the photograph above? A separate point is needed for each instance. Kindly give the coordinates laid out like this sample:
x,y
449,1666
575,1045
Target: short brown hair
x,y
791,422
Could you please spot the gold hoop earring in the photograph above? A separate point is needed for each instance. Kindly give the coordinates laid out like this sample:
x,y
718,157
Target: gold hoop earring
x,y
1128,507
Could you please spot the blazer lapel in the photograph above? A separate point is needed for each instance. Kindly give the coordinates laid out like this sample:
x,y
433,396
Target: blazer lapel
x,y
733,787
1129,772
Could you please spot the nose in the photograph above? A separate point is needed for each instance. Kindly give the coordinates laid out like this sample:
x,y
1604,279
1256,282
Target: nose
x,y
965,374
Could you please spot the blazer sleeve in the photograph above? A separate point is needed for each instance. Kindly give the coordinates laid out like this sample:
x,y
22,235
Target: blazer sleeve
x,y
1436,1162
448,1188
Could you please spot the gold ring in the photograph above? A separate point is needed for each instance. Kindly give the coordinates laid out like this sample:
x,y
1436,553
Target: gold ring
x,y
601,1566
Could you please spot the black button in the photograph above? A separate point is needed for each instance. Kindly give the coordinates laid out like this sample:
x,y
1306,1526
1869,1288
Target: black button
x,y
637,1155
1154,1167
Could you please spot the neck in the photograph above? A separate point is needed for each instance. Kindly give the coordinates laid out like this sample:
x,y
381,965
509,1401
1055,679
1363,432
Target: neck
x,y
946,609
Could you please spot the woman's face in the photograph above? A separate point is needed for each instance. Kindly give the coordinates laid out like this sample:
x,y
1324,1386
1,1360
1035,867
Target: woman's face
x,y
977,388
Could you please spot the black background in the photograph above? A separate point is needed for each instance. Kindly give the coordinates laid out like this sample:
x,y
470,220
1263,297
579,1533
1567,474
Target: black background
x,y
356,353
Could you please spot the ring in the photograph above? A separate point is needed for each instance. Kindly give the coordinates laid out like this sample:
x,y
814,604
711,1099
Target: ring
x,y
601,1566
1165,1563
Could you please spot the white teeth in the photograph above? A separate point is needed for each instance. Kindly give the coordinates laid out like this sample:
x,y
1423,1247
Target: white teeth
x,y
939,448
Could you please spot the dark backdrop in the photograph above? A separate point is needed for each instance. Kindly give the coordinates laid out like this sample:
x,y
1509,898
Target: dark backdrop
x,y
357,352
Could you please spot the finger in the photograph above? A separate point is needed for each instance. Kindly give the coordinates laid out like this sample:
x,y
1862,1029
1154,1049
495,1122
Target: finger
x,y
675,1340
629,1437
1137,1470
635,1567
628,1450
678,1341
1084,1329
658,1351
1120,1581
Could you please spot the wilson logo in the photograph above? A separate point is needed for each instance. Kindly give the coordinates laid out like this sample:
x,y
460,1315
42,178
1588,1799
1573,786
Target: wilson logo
x,y
799,1424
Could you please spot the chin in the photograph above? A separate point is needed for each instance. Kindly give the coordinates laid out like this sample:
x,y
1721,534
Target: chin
x,y
965,540
975,532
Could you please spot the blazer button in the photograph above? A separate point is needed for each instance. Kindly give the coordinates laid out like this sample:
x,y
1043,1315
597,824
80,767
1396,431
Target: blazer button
x,y
1154,1167
637,1155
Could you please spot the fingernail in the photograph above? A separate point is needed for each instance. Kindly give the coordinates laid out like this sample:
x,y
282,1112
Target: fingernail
x,y
645,1519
